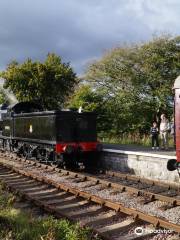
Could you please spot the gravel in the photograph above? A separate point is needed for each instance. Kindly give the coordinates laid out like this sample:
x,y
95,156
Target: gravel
x,y
152,208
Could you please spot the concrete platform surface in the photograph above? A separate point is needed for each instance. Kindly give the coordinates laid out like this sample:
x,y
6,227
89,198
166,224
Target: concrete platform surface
x,y
138,148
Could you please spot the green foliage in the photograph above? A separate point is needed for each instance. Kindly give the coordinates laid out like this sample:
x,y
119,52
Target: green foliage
x,y
90,100
86,98
3,97
21,226
48,83
135,83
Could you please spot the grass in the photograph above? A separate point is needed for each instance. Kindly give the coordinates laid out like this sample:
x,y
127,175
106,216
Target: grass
x,y
133,140
16,224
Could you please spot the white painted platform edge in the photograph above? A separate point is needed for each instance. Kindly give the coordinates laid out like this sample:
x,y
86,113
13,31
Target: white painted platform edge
x,y
140,153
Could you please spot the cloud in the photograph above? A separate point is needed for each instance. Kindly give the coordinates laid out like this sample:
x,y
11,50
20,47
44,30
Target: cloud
x,y
79,30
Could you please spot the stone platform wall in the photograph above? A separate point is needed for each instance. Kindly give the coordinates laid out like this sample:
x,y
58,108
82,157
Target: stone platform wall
x,y
146,165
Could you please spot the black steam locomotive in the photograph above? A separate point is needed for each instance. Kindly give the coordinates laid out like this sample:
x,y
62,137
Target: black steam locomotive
x,y
66,138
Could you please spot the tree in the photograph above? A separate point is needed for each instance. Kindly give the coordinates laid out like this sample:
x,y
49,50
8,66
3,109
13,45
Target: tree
x,y
136,80
3,98
86,98
49,83
90,100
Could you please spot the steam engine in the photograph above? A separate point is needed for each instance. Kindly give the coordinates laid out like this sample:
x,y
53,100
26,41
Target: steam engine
x,y
65,138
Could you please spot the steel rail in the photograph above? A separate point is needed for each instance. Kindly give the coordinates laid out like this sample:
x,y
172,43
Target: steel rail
x,y
51,209
139,192
118,207
139,179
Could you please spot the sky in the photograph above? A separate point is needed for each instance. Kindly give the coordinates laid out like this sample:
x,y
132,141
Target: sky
x,y
80,31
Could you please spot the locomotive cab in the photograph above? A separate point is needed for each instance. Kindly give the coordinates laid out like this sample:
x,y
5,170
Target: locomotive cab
x,y
172,163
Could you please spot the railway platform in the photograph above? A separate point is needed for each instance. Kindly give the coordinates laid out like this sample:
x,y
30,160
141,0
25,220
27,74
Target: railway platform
x,y
140,161
138,148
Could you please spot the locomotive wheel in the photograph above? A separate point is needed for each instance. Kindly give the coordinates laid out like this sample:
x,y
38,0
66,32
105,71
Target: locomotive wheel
x,y
7,145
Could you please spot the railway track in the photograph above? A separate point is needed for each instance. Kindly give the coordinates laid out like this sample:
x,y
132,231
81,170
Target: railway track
x,y
93,200
153,190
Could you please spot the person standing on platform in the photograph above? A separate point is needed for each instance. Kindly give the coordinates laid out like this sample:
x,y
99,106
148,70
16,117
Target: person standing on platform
x,y
164,128
172,127
172,131
154,136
